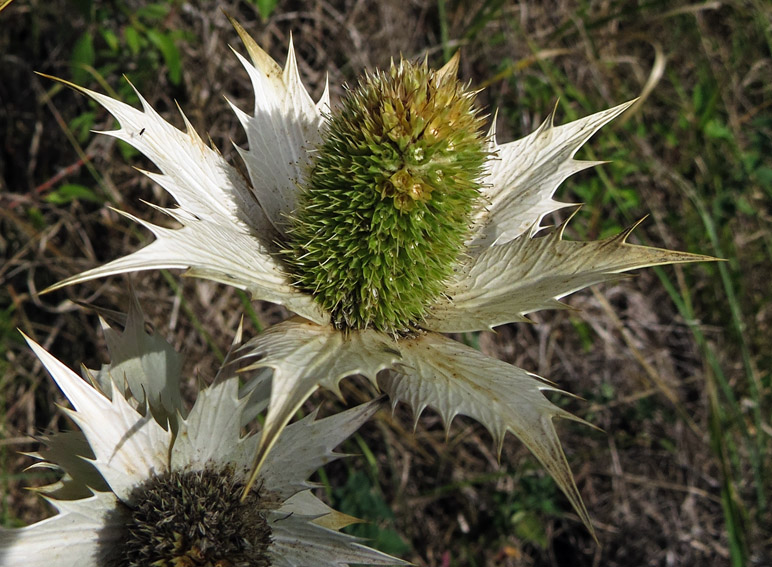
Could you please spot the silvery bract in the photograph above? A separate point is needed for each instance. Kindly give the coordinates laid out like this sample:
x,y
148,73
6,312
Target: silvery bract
x,y
351,213
143,485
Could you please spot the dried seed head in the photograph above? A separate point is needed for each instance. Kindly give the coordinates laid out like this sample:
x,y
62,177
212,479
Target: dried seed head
x,y
386,210
194,519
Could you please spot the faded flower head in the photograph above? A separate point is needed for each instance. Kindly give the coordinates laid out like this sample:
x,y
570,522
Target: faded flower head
x,y
382,222
144,486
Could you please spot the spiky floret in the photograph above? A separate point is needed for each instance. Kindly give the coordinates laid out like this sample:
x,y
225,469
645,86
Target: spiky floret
x,y
389,197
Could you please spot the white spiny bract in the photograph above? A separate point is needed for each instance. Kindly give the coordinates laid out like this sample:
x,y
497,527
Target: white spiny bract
x,y
256,235
147,483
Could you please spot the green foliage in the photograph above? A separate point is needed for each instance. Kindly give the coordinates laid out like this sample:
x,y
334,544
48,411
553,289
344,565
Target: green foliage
x,y
584,332
8,336
164,42
82,58
359,498
81,126
36,217
70,192
482,13
265,7
526,509
122,37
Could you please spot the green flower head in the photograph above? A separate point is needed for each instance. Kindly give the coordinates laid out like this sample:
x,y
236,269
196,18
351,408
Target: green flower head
x,y
388,202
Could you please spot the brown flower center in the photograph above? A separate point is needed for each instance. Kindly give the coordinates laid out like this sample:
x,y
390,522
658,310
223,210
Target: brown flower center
x,y
194,519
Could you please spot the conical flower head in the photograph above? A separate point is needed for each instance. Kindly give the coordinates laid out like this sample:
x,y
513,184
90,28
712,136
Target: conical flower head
x,y
388,201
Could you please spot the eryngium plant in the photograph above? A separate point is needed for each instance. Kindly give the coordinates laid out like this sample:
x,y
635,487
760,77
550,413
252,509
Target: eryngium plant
x,y
147,483
382,221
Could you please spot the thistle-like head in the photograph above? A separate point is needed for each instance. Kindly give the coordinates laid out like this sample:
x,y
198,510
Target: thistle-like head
x,y
387,205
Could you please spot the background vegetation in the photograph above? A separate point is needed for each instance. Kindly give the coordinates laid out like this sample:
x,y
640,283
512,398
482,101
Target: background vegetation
x,y
674,364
